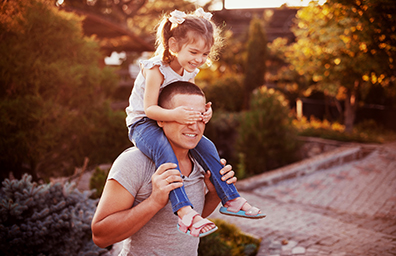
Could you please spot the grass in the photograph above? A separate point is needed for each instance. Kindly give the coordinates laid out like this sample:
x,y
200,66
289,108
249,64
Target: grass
x,y
365,132
228,240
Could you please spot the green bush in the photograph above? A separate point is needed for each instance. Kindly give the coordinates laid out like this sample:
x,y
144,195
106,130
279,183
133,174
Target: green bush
x,y
97,182
256,58
47,219
266,136
228,241
226,94
221,130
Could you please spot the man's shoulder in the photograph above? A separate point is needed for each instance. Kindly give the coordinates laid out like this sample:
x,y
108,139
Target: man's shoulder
x,y
132,151
133,154
131,163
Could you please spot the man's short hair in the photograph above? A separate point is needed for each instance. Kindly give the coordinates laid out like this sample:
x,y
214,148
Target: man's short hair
x,y
178,87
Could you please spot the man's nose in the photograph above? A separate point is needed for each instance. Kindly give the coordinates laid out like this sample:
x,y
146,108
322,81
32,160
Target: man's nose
x,y
193,125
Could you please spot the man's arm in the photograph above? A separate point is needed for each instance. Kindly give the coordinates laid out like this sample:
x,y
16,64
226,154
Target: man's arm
x,y
115,219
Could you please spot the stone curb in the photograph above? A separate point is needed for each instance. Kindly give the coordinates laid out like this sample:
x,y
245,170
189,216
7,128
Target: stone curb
x,y
323,161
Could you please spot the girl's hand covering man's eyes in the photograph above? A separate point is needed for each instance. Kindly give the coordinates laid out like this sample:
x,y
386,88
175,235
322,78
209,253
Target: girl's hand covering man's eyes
x,y
208,113
187,116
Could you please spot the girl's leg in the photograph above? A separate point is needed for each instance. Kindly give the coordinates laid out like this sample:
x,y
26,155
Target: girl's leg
x,y
206,154
149,138
233,204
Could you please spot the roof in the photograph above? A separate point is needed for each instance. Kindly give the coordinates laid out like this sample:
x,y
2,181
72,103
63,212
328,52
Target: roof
x,y
112,36
279,24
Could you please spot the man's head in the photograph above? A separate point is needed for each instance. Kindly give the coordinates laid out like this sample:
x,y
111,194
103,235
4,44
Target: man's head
x,y
191,97
178,87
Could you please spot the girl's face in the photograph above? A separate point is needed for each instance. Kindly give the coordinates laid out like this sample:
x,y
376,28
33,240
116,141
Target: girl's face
x,y
192,55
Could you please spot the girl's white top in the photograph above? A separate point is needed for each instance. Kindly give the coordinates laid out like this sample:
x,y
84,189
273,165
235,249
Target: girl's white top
x,y
135,110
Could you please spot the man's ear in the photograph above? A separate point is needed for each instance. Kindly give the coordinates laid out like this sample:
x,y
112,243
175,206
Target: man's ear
x,y
173,45
160,123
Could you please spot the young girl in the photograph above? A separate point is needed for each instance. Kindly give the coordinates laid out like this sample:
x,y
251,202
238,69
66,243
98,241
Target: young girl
x,y
184,42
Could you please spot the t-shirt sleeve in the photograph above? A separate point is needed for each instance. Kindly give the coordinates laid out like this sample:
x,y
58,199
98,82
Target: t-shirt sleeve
x,y
128,170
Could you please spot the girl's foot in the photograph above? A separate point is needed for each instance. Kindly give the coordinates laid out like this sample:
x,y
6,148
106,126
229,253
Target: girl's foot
x,y
240,208
191,223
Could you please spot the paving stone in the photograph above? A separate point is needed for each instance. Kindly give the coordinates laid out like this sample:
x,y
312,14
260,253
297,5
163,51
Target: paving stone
x,y
340,254
322,253
328,241
298,250
313,249
289,244
286,253
275,245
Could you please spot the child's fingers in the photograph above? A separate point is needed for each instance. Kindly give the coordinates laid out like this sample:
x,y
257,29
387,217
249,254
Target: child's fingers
x,y
194,116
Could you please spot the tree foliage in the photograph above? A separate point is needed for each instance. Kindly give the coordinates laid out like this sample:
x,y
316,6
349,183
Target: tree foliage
x,y
52,92
255,60
117,11
345,48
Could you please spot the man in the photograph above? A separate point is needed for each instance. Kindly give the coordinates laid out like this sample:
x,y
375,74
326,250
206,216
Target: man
x,y
134,204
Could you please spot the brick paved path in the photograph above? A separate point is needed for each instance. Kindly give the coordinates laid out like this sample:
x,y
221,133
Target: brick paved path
x,y
345,210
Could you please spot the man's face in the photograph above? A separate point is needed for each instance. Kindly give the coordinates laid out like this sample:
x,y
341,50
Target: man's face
x,y
185,137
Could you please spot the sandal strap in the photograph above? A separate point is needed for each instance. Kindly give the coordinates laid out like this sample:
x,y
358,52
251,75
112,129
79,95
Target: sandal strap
x,y
236,204
195,230
253,211
187,219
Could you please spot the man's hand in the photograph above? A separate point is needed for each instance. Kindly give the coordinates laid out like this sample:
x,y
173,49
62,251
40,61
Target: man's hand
x,y
165,179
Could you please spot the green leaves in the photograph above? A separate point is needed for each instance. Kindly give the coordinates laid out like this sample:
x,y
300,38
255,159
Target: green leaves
x,y
256,57
266,137
53,92
341,42
345,48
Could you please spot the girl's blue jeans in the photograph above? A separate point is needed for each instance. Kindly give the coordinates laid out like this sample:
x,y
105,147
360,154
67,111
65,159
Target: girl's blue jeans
x,y
150,139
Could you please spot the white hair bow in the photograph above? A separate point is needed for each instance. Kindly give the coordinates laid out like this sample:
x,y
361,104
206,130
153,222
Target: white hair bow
x,y
177,17
201,13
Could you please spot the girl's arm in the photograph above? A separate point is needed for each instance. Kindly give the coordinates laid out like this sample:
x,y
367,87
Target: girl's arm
x,y
154,79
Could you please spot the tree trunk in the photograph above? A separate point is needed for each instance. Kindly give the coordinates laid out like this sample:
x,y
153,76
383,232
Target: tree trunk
x,y
246,100
350,108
